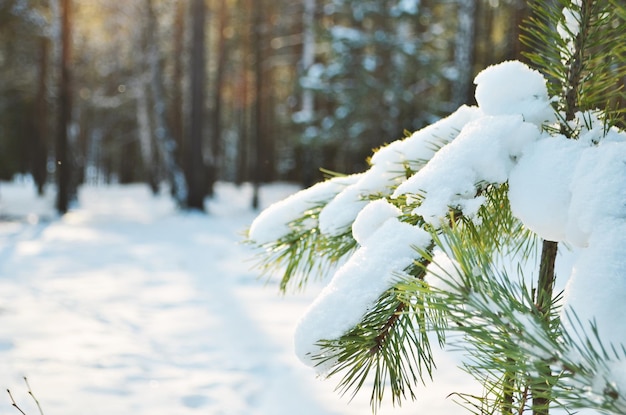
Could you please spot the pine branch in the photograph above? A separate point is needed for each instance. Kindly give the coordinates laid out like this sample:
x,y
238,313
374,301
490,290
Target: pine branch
x,y
390,344
511,340
583,60
304,252
579,45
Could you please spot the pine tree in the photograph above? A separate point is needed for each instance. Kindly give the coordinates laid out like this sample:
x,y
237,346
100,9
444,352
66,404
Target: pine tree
x,y
455,230
373,55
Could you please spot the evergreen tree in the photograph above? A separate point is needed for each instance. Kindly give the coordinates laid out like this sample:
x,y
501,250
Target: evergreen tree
x,y
373,57
444,231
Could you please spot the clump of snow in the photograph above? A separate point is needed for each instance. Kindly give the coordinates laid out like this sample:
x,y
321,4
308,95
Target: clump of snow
x,y
372,217
598,190
484,151
388,171
539,186
513,88
339,214
274,222
562,188
595,291
420,146
356,286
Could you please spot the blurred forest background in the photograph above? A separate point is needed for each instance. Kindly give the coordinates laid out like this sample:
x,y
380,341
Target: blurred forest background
x,y
188,92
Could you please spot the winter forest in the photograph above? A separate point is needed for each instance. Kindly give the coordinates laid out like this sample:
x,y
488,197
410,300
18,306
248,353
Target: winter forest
x,y
241,91
315,207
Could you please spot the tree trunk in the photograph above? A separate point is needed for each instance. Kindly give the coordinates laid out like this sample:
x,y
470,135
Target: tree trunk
x,y
194,161
216,134
40,150
464,52
308,56
177,81
165,142
242,110
257,44
146,133
63,167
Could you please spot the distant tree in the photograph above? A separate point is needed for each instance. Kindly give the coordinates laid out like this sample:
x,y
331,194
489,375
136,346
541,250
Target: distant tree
x,y
261,152
39,165
179,46
240,87
194,148
165,143
464,53
63,150
373,58
221,63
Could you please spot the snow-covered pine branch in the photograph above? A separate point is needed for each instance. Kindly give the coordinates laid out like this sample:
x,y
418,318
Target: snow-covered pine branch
x,y
509,160
563,190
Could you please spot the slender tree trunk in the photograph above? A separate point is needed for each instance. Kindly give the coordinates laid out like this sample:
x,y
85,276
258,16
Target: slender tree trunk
x,y
177,81
146,133
216,134
165,142
63,167
464,52
243,145
541,392
242,98
194,161
308,56
257,28
40,150
520,13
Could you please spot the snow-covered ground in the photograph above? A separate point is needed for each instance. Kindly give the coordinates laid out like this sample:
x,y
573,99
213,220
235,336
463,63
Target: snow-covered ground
x,y
127,306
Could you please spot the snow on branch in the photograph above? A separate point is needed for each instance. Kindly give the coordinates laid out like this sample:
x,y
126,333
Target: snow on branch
x,y
564,190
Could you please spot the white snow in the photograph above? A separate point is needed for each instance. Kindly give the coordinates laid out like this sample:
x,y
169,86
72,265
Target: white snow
x,y
371,218
387,169
356,286
598,190
337,216
539,186
125,305
595,291
513,88
273,223
484,151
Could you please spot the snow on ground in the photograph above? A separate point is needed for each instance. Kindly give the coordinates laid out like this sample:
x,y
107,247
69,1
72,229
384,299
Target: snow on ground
x,y
125,305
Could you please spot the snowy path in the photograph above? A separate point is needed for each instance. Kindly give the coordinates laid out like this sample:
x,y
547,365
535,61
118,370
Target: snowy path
x,y
125,306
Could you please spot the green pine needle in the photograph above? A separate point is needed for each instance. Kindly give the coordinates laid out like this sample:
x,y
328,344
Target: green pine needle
x,y
304,252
